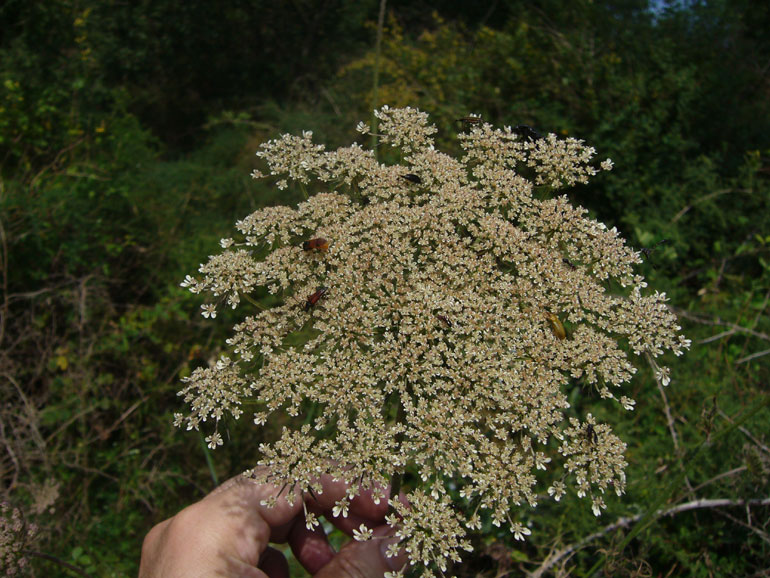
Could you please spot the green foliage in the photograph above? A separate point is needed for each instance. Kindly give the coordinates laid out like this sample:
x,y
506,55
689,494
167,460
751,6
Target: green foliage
x,y
649,94
94,250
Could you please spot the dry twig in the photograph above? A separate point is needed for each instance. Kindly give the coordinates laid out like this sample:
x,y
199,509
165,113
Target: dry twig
x,y
705,198
718,321
625,522
746,432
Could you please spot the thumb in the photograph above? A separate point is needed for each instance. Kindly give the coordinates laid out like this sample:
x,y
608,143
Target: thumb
x,y
365,559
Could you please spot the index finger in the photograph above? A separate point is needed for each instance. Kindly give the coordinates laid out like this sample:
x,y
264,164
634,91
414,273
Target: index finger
x,y
249,495
364,505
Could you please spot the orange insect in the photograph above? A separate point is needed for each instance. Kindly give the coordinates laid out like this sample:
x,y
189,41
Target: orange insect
x,y
319,243
314,298
557,328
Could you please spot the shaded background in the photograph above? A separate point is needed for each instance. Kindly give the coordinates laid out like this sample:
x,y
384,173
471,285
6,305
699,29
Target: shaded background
x,y
127,135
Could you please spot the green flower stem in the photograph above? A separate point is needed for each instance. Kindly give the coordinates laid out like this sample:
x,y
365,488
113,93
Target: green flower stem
x,y
253,302
209,461
395,481
376,81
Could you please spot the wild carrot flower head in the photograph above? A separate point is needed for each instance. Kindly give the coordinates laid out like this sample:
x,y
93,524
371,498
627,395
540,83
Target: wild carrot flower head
x,y
448,305
15,536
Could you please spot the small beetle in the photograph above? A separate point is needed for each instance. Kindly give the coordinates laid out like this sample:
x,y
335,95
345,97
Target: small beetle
x,y
557,328
591,434
569,263
469,120
445,319
411,178
319,243
526,131
314,298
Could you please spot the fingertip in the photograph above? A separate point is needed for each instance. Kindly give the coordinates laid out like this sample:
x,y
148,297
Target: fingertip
x,y
311,548
273,563
365,559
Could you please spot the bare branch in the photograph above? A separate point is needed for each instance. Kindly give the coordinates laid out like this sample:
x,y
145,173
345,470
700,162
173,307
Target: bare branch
x,y
31,412
718,477
718,322
670,422
717,337
628,521
757,531
76,569
4,273
746,432
705,198
752,356
761,311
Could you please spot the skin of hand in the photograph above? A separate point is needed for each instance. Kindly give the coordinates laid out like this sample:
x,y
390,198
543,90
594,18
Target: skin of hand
x,y
227,534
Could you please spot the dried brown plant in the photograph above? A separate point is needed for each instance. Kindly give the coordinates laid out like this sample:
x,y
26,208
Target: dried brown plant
x,y
15,535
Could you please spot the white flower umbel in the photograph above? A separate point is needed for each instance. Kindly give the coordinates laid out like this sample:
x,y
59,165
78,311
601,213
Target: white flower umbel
x,y
444,304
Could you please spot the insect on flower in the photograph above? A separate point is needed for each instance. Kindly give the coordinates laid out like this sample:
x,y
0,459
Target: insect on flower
x,y
469,120
411,178
569,263
646,251
557,328
526,131
315,297
591,434
444,319
319,243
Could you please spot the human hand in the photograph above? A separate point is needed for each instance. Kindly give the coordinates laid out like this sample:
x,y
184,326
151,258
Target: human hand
x,y
227,534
